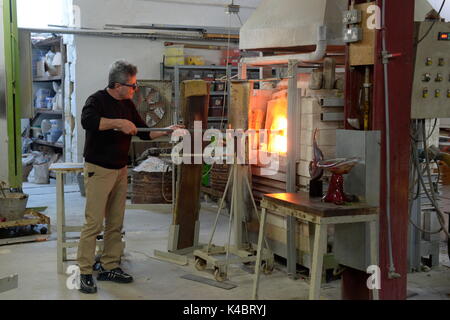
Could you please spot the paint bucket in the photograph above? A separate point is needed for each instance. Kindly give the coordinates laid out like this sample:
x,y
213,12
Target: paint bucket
x,y
13,206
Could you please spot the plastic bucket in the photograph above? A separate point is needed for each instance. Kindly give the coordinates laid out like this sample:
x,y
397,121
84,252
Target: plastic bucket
x,y
13,206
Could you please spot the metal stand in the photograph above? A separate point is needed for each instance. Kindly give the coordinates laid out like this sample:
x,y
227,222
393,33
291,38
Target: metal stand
x,y
243,253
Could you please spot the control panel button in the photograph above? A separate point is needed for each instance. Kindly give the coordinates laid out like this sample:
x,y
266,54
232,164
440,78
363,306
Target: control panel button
x,y
425,93
429,61
426,77
439,77
437,93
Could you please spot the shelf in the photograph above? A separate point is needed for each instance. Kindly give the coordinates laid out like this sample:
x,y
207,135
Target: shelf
x,y
213,119
55,78
198,67
47,143
48,111
205,67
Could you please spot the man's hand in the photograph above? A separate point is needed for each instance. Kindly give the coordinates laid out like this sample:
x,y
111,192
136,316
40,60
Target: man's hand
x,y
157,134
174,127
127,127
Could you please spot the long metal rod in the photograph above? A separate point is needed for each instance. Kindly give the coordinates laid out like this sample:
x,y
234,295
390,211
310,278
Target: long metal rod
x,y
194,130
220,209
254,206
233,209
392,273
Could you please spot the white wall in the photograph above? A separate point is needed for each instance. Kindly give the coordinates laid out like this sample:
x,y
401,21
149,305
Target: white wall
x,y
95,54
39,14
97,13
445,11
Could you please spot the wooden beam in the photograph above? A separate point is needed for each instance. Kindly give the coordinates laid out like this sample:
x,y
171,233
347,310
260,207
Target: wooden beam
x,y
195,104
399,39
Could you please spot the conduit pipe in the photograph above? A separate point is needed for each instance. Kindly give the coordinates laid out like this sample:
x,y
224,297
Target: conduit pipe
x,y
318,54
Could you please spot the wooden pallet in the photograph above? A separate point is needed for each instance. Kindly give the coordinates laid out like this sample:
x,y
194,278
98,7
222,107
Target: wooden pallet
x,y
31,217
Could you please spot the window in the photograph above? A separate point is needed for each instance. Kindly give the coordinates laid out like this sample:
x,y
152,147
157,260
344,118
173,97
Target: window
x,y
42,13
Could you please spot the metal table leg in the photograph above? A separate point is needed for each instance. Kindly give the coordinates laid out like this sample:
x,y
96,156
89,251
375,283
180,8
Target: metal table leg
x,y
374,252
60,222
262,227
320,245
291,248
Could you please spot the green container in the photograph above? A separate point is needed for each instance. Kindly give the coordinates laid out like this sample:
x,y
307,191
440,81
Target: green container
x,y
206,175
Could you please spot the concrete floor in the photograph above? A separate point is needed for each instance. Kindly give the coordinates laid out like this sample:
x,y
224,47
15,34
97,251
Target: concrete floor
x,y
35,263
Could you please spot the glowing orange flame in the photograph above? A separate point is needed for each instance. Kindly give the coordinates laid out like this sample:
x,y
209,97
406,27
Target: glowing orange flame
x,y
278,140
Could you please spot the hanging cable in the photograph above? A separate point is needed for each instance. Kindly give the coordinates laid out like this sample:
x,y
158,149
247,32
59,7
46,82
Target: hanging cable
x,y
432,25
433,200
239,17
429,135
420,182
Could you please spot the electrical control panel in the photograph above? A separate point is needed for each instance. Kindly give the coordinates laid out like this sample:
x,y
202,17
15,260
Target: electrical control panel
x,y
352,31
431,85
351,17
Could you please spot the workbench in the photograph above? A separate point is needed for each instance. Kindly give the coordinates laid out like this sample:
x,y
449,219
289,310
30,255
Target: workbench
x,y
61,244
312,210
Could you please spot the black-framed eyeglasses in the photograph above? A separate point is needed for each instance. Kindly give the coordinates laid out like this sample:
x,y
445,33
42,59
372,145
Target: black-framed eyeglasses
x,y
134,86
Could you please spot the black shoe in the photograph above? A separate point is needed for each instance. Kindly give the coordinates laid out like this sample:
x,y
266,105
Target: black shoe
x,y
116,275
87,284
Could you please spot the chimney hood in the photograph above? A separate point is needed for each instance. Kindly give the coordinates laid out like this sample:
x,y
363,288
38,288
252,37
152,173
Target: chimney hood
x,y
293,24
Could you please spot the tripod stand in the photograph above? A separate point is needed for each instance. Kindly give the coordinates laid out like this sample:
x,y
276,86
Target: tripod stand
x,y
243,253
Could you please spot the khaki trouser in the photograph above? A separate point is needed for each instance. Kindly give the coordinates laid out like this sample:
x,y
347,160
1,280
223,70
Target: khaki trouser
x,y
106,192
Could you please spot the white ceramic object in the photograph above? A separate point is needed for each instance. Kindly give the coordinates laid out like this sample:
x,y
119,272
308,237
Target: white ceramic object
x,y
46,126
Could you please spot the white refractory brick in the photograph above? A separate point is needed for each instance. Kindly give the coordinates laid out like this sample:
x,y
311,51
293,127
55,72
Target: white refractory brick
x,y
311,106
303,168
313,121
325,137
306,152
303,181
323,93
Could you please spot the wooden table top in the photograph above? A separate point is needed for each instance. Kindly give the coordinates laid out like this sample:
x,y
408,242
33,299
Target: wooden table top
x,y
67,167
302,202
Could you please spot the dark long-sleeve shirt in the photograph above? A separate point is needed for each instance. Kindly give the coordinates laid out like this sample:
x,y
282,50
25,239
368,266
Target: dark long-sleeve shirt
x,y
108,148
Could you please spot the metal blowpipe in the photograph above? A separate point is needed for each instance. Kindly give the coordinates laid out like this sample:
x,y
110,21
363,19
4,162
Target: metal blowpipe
x,y
191,130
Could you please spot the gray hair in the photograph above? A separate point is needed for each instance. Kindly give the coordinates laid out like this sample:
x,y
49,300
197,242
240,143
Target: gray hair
x,y
120,71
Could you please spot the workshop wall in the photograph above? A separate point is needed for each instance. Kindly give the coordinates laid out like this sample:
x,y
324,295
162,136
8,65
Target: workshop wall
x,y
94,55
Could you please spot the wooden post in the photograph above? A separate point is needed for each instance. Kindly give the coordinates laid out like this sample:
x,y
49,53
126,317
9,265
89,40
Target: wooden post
x,y
195,95
399,39
238,120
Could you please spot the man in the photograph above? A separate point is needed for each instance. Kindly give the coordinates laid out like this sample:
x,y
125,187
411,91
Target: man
x,y
110,119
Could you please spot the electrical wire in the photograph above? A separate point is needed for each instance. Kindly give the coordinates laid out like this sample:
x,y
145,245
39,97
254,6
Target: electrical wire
x,y
431,192
432,25
429,135
433,200
239,17
420,182
392,274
